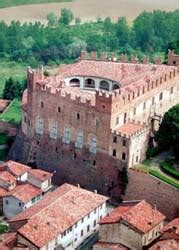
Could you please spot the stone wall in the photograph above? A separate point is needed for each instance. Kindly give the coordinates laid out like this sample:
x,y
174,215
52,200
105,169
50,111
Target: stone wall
x,y
143,186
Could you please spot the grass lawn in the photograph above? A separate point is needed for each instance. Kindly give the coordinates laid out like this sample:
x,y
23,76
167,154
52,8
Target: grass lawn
x,y
13,113
11,69
9,3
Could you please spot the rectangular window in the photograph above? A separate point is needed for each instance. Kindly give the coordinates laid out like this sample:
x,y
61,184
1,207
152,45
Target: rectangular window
x,y
144,106
115,139
124,143
160,96
40,126
7,202
81,233
88,228
88,216
134,112
95,211
79,140
53,131
153,100
123,156
82,220
76,224
117,120
171,90
114,153
93,146
66,138
94,223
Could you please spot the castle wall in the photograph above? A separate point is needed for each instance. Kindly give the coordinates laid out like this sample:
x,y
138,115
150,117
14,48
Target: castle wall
x,y
142,186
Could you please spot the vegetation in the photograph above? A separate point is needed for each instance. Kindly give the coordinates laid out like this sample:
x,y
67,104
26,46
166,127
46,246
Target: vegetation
x,y
13,89
60,42
9,3
13,112
168,168
3,228
3,139
164,178
168,134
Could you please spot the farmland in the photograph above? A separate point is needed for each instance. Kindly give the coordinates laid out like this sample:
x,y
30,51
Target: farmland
x,y
85,9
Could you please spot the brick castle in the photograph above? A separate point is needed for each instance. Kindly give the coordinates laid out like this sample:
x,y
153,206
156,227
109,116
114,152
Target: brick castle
x,y
94,118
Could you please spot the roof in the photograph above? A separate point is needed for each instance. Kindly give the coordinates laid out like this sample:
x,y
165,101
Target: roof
x,y
25,192
40,174
3,192
56,212
174,224
17,168
165,245
7,177
7,240
124,73
110,246
143,216
129,128
115,215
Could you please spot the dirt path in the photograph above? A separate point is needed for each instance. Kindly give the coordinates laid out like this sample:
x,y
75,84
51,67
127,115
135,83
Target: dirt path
x,y
87,9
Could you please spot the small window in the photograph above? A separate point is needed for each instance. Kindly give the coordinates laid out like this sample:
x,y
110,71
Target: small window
x,y
94,223
74,156
28,122
117,120
171,90
137,159
78,116
7,202
25,119
59,109
114,153
94,163
95,211
123,156
114,139
20,204
144,106
82,220
104,106
125,118
160,96
64,233
153,100
88,228
174,62
97,123
100,217
81,233
41,104
88,216
134,112
124,143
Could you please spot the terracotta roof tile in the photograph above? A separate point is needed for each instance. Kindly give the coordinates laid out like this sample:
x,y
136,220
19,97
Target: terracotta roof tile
x,y
110,246
25,192
129,128
165,245
143,216
57,212
115,215
17,168
40,174
7,177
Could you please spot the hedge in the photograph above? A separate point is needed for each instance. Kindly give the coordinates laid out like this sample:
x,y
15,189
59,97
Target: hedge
x,y
164,178
169,169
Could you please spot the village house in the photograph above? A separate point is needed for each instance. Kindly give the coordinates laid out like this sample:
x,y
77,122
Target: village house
x,y
21,187
130,227
169,239
63,219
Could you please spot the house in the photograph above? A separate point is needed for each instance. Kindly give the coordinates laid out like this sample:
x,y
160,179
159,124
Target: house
x,y
132,226
21,186
63,219
169,239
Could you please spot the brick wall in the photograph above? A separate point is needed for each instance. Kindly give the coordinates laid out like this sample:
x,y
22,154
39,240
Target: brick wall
x,y
143,186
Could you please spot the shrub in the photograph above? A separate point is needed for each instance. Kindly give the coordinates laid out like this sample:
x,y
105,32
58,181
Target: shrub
x,y
167,167
151,151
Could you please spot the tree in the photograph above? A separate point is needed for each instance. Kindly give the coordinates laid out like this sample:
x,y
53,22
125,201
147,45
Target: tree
x,y
168,133
77,20
13,89
52,20
122,31
66,16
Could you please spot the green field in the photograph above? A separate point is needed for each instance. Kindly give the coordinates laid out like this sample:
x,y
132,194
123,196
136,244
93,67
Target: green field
x,y
11,69
13,113
9,3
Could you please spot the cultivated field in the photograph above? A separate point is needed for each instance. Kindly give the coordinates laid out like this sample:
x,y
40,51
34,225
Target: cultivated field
x,y
86,9
10,3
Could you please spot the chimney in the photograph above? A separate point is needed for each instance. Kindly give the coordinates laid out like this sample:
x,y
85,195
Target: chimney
x,y
95,191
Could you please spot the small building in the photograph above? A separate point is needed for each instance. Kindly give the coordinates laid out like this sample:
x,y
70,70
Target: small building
x,y
20,187
63,219
169,239
132,226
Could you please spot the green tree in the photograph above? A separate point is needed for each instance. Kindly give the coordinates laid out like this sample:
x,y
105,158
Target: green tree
x,y
52,20
66,16
168,133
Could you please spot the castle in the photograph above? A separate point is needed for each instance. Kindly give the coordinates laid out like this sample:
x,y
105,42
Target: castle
x,y
94,118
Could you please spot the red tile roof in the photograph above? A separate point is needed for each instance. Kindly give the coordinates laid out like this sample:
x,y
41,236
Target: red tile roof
x,y
110,246
115,215
173,224
7,177
40,174
56,212
25,192
3,192
17,168
7,240
143,216
165,245
124,73
129,128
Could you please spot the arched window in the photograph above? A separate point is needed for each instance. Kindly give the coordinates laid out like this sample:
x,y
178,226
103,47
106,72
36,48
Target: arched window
x,y
115,86
104,85
89,83
75,82
78,116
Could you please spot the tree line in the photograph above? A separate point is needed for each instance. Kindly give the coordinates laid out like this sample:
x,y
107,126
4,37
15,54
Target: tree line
x,y
64,37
